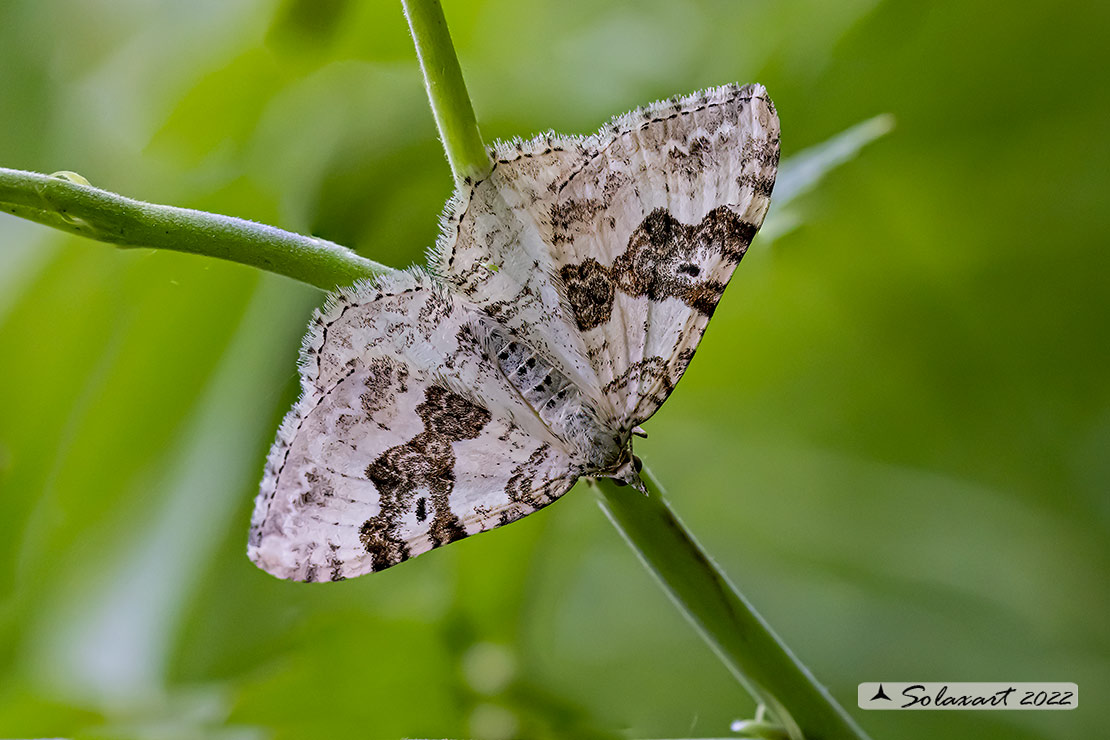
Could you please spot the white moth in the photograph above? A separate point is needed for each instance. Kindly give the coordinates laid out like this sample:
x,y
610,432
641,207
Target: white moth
x,y
565,297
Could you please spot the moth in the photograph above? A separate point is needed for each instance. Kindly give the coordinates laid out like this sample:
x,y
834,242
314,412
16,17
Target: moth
x,y
564,299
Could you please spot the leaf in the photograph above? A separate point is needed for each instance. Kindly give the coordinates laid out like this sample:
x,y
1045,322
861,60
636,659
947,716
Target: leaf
x,y
802,172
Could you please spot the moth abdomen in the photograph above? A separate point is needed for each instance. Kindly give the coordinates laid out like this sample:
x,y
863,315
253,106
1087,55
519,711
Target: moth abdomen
x,y
555,398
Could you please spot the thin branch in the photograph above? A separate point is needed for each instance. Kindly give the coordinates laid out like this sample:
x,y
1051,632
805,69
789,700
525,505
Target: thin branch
x,y
454,114
736,632
67,202
741,638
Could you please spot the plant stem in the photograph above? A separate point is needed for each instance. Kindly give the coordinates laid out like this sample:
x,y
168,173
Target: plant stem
x,y
66,203
458,128
741,638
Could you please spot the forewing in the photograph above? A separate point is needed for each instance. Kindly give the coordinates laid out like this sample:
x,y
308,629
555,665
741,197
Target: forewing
x,y
494,251
406,438
611,252
647,234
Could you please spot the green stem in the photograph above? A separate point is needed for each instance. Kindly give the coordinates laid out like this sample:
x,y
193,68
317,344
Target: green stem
x,y
736,632
458,128
739,636
66,202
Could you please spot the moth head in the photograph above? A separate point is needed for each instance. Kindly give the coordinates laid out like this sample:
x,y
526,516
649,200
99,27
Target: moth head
x,y
627,471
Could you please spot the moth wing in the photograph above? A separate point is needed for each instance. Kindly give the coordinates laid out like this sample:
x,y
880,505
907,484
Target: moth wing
x,y
647,234
406,438
493,250
610,252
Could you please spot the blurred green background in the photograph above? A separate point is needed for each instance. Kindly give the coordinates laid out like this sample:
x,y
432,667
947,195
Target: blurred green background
x,y
895,437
